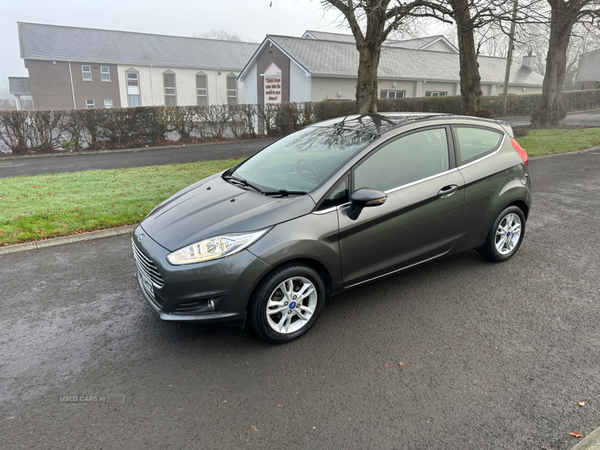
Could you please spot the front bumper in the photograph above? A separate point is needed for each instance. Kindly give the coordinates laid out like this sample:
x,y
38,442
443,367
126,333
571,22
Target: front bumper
x,y
227,283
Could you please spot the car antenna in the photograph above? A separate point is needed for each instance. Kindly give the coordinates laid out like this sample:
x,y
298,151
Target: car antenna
x,y
340,124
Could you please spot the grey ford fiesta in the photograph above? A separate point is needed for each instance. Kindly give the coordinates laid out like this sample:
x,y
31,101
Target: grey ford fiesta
x,y
329,207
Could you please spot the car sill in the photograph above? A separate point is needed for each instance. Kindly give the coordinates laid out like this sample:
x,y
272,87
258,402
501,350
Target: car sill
x,y
397,270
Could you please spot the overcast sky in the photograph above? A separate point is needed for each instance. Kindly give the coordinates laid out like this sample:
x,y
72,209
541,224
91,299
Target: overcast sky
x,y
249,19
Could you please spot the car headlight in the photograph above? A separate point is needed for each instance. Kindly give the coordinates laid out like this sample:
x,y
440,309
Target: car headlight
x,y
214,248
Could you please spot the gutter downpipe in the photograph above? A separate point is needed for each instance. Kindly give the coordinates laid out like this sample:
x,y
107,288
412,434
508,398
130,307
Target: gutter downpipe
x,y
151,85
72,88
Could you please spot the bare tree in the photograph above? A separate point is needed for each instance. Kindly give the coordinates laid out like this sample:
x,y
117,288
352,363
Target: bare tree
x,y
379,19
7,104
564,14
218,34
583,39
473,17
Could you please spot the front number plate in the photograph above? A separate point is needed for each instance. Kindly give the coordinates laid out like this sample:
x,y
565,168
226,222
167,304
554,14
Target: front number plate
x,y
147,284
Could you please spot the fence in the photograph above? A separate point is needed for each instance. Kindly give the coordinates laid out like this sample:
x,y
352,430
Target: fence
x,y
93,129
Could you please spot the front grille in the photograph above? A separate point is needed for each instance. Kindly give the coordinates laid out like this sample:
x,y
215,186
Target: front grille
x,y
147,267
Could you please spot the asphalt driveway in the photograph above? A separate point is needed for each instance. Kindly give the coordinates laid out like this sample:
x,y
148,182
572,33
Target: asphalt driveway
x,y
459,353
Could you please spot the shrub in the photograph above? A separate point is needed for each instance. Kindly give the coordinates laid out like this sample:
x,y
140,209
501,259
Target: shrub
x,y
14,130
24,131
216,118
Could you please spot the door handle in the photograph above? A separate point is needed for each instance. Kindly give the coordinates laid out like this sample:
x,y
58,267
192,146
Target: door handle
x,y
447,191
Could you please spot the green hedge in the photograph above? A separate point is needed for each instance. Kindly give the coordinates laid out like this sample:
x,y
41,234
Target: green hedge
x,y
75,130
516,105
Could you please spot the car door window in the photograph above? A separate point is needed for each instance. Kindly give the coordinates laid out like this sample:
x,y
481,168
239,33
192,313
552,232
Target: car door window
x,y
474,143
410,158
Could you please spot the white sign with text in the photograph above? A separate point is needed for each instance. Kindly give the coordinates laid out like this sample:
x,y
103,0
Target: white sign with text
x,y
272,83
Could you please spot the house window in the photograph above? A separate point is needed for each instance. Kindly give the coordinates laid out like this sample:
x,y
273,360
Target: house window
x,y
133,89
231,90
436,94
86,72
170,95
108,103
201,90
89,103
393,94
105,73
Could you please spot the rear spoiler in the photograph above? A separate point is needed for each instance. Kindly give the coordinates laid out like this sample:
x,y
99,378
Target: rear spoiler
x,y
507,127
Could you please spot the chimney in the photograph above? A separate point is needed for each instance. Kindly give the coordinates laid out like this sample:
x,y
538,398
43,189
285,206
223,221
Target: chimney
x,y
528,61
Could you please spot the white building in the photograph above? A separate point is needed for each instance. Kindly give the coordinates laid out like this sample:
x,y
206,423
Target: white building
x,y
322,66
72,67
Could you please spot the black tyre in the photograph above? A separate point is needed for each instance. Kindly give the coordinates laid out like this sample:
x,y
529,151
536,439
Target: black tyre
x,y
287,303
506,235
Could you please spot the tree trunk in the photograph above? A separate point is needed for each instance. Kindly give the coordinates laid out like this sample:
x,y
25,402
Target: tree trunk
x,y
366,86
552,111
470,81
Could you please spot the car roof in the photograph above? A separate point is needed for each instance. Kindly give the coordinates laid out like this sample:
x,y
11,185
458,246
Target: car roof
x,y
382,122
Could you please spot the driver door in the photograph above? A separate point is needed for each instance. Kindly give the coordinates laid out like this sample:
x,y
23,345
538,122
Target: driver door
x,y
421,217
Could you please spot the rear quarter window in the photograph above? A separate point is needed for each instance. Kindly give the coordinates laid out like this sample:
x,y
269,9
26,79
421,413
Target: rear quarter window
x,y
475,143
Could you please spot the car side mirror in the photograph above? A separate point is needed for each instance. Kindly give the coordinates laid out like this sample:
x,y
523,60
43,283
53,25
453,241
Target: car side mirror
x,y
366,197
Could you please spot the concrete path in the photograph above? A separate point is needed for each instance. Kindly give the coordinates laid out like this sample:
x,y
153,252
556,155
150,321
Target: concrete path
x,y
455,354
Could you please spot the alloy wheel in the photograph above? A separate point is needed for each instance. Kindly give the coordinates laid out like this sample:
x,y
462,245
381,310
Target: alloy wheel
x,y
291,305
508,234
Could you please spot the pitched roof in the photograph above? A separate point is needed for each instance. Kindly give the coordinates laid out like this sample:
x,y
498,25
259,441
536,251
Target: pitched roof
x,y
340,59
54,42
421,43
323,35
416,44
589,67
19,86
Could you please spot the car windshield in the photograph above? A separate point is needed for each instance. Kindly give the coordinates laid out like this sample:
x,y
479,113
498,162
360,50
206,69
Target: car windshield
x,y
300,162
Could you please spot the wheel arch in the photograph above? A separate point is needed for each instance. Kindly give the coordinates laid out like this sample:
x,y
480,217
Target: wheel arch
x,y
522,206
312,263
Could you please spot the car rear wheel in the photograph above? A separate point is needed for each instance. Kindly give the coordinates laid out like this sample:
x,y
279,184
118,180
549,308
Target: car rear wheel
x,y
506,235
287,303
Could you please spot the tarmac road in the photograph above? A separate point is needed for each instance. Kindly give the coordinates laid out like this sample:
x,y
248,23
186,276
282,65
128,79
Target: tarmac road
x,y
493,355
108,160
579,118
153,157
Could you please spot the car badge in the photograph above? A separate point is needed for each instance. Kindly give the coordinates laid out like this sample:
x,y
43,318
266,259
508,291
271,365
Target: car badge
x,y
141,237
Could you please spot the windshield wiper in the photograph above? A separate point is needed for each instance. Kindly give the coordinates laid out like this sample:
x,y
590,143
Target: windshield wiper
x,y
284,192
242,182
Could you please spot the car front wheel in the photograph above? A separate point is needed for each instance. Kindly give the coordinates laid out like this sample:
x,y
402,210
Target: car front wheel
x,y
506,235
287,303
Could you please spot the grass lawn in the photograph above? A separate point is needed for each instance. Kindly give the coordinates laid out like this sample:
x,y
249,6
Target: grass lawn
x,y
548,142
44,206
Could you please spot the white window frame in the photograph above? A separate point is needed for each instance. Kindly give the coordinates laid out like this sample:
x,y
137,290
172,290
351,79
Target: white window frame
x,y
112,104
86,72
103,73
437,94
170,91
232,91
135,78
202,92
89,105
402,93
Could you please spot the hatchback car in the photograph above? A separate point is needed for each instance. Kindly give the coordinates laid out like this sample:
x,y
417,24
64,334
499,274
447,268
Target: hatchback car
x,y
334,205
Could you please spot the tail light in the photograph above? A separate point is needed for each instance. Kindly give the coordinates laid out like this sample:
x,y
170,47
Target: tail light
x,y
520,151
